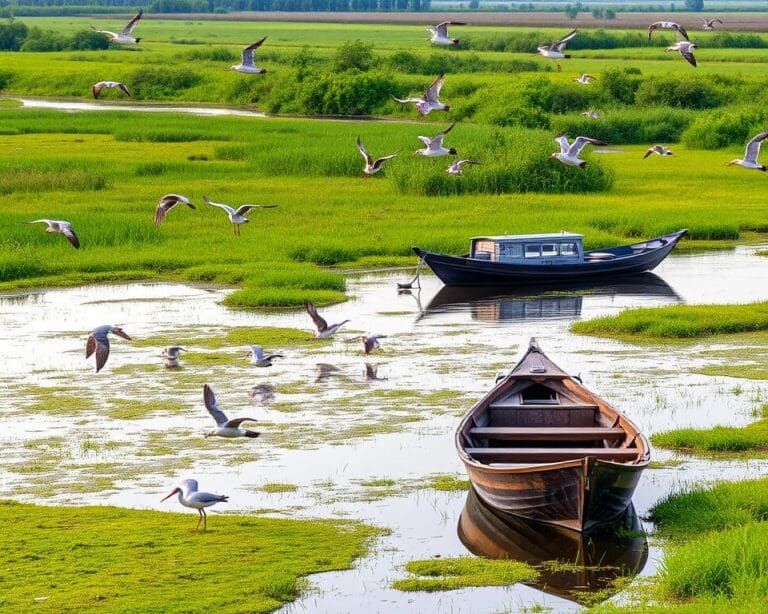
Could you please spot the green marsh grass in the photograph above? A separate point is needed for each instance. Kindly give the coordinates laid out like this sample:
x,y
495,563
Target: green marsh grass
x,y
678,322
76,559
456,573
752,438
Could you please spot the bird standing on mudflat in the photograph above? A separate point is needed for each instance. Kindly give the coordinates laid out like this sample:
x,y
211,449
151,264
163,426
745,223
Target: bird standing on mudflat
x,y
371,166
433,147
750,154
98,342
440,33
97,87
224,427
431,99
61,226
569,153
125,36
324,330
246,64
237,216
168,202
190,496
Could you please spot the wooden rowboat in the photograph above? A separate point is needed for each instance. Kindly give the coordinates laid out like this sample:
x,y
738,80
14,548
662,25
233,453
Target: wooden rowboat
x,y
541,446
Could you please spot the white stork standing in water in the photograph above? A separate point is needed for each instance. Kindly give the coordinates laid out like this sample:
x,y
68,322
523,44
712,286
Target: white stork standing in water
x,y
124,38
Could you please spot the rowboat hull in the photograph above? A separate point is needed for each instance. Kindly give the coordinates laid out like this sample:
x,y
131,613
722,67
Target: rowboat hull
x,y
542,447
578,495
624,260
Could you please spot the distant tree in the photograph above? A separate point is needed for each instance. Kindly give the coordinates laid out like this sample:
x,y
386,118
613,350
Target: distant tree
x,y
598,13
354,54
88,39
694,5
474,4
610,14
12,35
571,12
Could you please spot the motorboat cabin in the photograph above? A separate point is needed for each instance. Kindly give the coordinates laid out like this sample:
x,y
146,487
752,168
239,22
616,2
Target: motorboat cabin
x,y
545,249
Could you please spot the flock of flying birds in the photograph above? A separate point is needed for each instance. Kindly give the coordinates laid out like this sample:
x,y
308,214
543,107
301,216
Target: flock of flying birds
x,y
98,340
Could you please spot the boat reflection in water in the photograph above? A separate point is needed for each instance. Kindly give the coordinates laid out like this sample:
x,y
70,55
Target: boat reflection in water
x,y
531,302
571,565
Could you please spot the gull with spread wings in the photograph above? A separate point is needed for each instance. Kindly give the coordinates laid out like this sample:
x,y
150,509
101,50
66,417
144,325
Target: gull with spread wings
x,y
324,330
371,166
237,216
569,152
98,342
246,64
440,33
125,36
61,226
224,427
168,202
431,99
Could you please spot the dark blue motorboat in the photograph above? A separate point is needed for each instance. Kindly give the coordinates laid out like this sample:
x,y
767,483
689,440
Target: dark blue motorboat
x,y
543,258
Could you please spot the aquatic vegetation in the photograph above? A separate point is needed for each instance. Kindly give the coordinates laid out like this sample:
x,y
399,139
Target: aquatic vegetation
x,y
81,549
455,573
678,322
277,487
751,438
448,483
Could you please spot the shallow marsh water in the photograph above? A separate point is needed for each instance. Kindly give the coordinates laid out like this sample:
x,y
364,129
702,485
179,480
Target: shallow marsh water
x,y
353,446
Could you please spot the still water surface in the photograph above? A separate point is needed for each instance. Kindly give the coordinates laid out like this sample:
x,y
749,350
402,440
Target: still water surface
x,y
443,350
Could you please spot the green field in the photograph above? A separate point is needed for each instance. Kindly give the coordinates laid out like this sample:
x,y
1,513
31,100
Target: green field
x,y
105,172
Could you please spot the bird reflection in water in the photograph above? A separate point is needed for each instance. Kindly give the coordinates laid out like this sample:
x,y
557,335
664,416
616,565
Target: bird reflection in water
x,y
262,394
570,564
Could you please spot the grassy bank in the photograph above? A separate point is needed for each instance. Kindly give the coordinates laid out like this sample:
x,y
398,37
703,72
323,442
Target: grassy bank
x,y
679,322
86,558
94,171
715,556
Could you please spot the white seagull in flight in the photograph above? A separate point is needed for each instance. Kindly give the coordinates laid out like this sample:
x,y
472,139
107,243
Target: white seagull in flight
x,y
324,330
440,33
371,166
554,51
431,99
98,342
224,427
246,64
125,36
97,87
433,147
258,357
686,50
61,226
569,153
168,202
667,25
750,154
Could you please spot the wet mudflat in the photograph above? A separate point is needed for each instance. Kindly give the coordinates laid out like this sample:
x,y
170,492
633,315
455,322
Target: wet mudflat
x,y
362,439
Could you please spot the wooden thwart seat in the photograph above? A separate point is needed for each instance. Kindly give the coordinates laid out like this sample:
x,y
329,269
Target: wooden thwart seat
x,y
506,404
550,455
522,433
